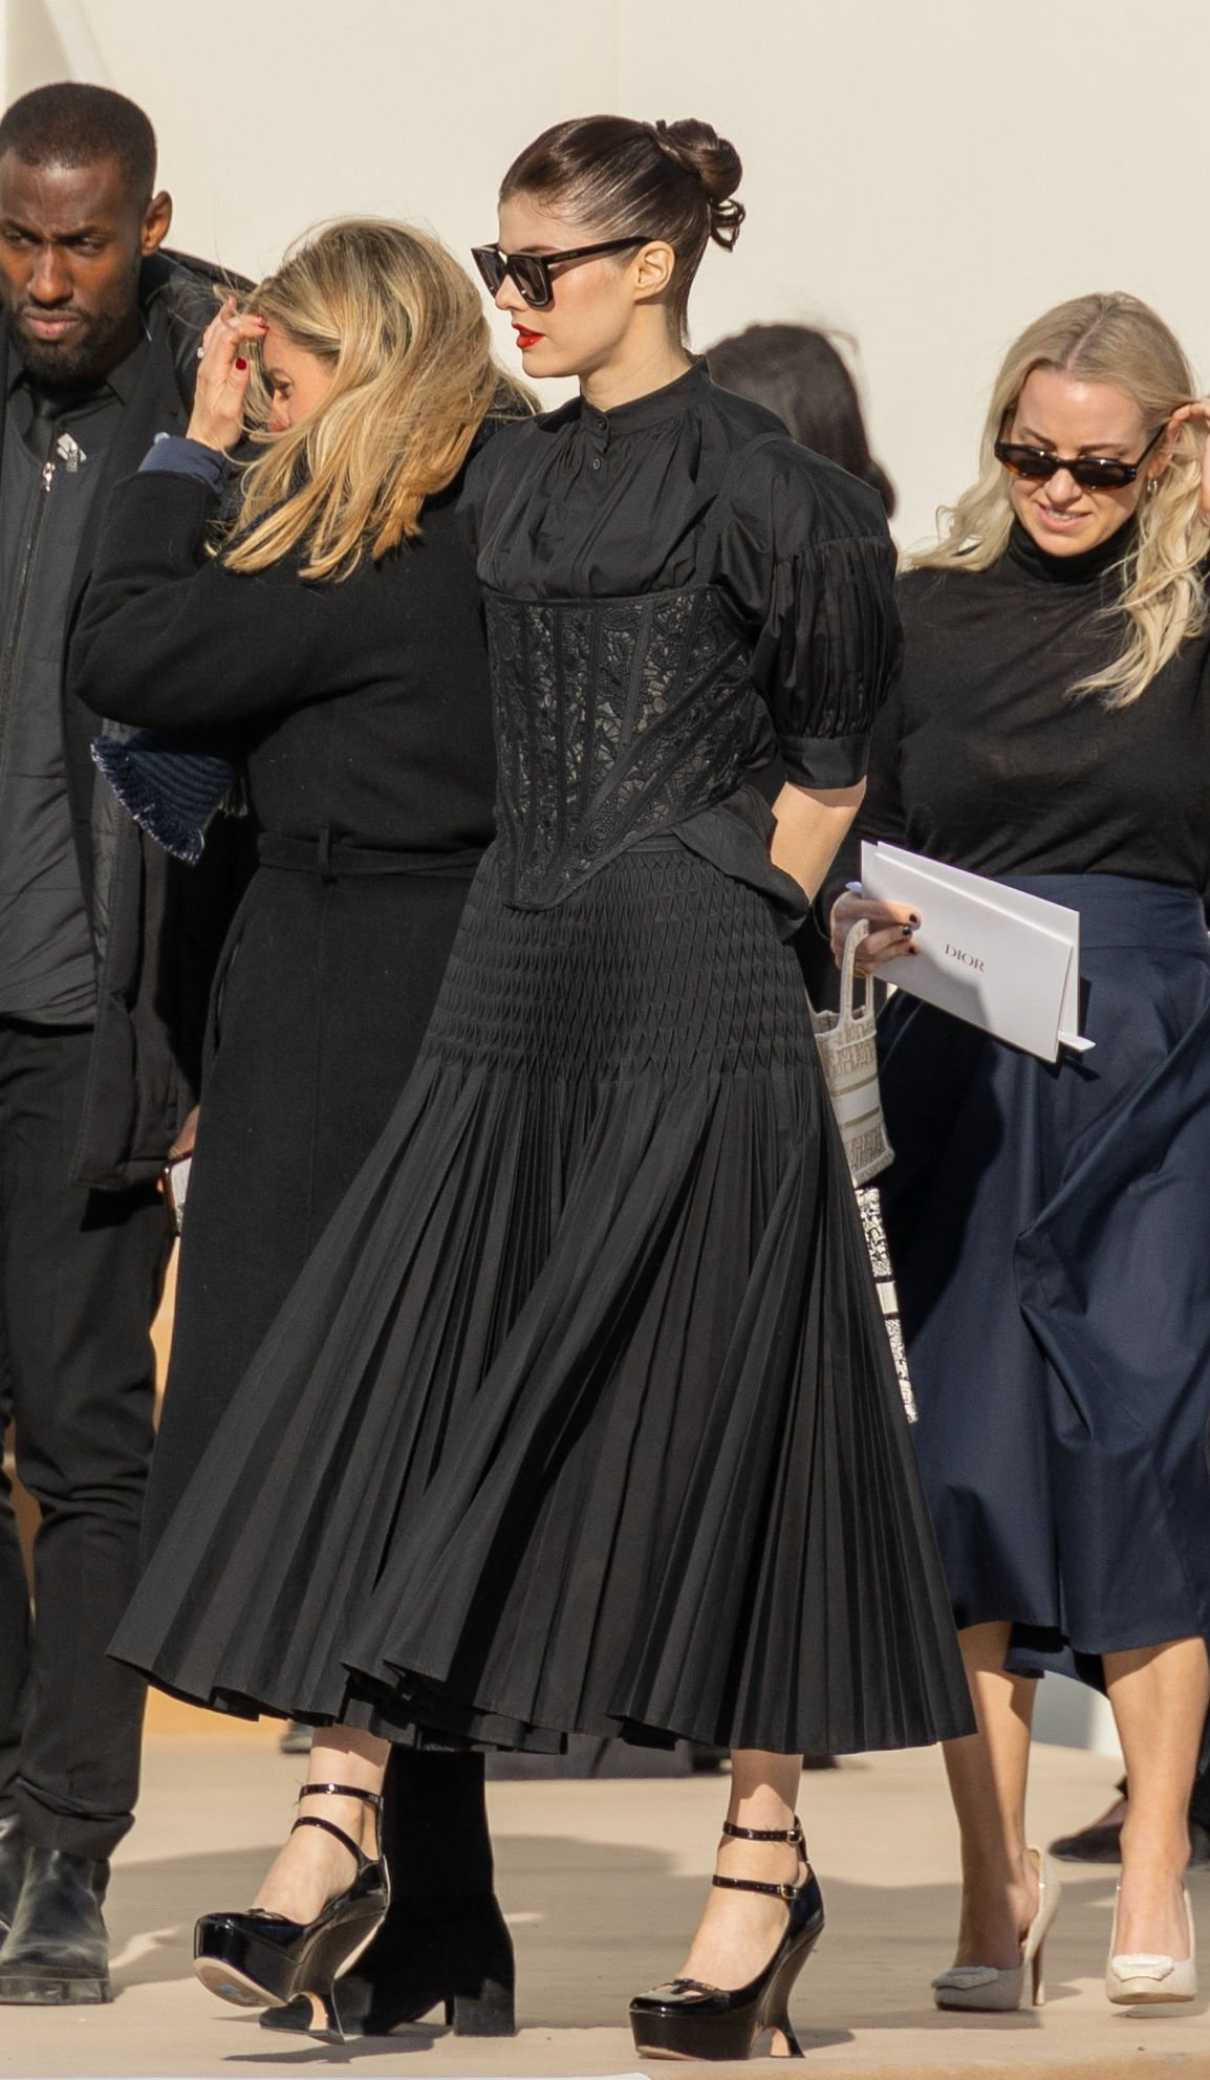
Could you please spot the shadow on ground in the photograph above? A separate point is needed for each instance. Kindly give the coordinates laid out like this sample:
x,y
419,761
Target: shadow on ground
x,y
594,1924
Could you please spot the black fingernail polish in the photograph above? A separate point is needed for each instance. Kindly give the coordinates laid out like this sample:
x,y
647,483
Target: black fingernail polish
x,y
915,919
907,930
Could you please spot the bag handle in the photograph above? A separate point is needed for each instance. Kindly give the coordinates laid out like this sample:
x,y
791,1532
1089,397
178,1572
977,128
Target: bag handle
x,y
849,1014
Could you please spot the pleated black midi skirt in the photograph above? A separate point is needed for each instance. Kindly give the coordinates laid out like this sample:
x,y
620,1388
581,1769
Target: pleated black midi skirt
x,y
1050,1231
582,1417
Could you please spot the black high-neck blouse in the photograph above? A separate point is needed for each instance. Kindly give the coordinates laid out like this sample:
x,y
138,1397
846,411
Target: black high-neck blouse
x,y
689,487
984,759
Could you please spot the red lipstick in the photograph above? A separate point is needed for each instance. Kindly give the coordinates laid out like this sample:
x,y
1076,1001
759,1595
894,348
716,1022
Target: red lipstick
x,y
526,338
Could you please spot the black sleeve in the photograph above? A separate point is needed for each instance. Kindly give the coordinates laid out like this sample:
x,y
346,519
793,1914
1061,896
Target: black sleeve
x,y
881,813
806,552
169,638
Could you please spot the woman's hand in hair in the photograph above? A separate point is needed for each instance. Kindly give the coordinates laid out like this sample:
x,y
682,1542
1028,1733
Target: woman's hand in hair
x,y
223,375
1197,414
892,930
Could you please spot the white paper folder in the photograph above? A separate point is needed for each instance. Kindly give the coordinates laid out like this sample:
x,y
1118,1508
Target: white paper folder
x,y
995,956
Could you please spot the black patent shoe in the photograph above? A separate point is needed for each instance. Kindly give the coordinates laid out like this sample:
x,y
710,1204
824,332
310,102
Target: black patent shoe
x,y
259,1959
686,2019
454,1954
14,1853
56,1953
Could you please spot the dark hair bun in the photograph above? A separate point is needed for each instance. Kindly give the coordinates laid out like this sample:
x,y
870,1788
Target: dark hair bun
x,y
714,162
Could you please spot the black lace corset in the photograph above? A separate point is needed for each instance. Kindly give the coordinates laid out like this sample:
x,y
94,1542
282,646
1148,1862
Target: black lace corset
x,y
615,719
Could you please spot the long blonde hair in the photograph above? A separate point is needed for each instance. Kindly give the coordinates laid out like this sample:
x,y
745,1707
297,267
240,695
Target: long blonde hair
x,y
1104,339
413,376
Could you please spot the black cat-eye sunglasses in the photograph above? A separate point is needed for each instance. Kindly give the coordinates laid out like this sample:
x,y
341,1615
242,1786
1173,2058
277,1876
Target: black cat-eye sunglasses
x,y
531,271
1091,472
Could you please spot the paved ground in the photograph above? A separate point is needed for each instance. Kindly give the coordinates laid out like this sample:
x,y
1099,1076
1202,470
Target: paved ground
x,y
602,1882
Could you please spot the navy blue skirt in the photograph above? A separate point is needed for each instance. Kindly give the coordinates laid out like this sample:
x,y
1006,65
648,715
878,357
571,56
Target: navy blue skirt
x,y
1050,1230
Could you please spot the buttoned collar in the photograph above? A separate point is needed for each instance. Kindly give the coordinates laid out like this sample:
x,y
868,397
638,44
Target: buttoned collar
x,y
639,413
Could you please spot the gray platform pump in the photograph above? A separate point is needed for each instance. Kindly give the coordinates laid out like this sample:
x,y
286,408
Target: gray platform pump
x,y
988,1990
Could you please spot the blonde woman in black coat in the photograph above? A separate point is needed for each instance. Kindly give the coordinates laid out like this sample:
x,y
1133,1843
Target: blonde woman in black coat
x,y
334,645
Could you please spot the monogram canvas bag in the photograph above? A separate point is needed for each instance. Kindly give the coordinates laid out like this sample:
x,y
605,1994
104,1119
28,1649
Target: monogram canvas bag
x,y
850,1065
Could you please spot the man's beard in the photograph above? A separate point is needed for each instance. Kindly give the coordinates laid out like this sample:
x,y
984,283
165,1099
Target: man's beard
x,y
78,362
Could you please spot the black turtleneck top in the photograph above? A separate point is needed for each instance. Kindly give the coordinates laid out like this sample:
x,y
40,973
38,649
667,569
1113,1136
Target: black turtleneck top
x,y
983,759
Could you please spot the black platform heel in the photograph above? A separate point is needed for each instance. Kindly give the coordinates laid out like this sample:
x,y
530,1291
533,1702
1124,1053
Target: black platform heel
x,y
258,1959
686,2019
445,1947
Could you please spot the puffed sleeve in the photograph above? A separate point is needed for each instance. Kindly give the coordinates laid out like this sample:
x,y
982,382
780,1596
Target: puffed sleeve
x,y
881,815
806,553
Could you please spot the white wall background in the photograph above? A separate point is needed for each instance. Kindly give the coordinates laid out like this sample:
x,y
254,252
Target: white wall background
x,y
927,175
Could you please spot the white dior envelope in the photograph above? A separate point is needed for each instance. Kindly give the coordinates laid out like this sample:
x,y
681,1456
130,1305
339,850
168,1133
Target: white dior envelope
x,y
998,957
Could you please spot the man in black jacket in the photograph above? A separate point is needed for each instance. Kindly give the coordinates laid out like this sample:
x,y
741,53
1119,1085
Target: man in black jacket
x,y
106,948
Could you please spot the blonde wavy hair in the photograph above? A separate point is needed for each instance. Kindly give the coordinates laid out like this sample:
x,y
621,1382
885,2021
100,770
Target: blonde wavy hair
x,y
403,331
1119,340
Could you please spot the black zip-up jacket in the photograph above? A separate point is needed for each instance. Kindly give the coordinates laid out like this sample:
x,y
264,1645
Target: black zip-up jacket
x,y
157,926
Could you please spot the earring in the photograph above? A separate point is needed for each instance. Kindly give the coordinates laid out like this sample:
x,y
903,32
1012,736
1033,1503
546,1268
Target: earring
x,y
1153,485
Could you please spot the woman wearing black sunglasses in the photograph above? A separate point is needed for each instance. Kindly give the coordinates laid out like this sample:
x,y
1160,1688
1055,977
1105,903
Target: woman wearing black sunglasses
x,y
583,1416
1048,1224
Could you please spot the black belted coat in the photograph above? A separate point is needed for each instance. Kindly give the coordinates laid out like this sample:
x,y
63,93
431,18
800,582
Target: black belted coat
x,y
362,716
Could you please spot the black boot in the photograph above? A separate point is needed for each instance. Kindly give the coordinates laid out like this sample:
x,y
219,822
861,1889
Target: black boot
x,y
444,1942
57,1950
14,1849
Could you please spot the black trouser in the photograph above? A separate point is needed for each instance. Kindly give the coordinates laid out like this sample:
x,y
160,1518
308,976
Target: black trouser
x,y
80,1278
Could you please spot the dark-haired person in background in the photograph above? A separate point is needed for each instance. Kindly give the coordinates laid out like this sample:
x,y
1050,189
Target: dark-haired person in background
x,y
103,977
797,373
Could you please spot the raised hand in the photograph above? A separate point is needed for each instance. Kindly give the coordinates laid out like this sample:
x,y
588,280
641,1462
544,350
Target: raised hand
x,y
1197,414
223,374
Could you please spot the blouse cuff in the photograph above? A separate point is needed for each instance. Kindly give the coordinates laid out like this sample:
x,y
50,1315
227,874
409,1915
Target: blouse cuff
x,y
826,761
768,779
177,455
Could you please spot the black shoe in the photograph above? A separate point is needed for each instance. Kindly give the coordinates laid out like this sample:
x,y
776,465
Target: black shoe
x,y
1103,1844
14,1851
454,1954
685,2019
444,1942
258,1958
57,1950
1100,1844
